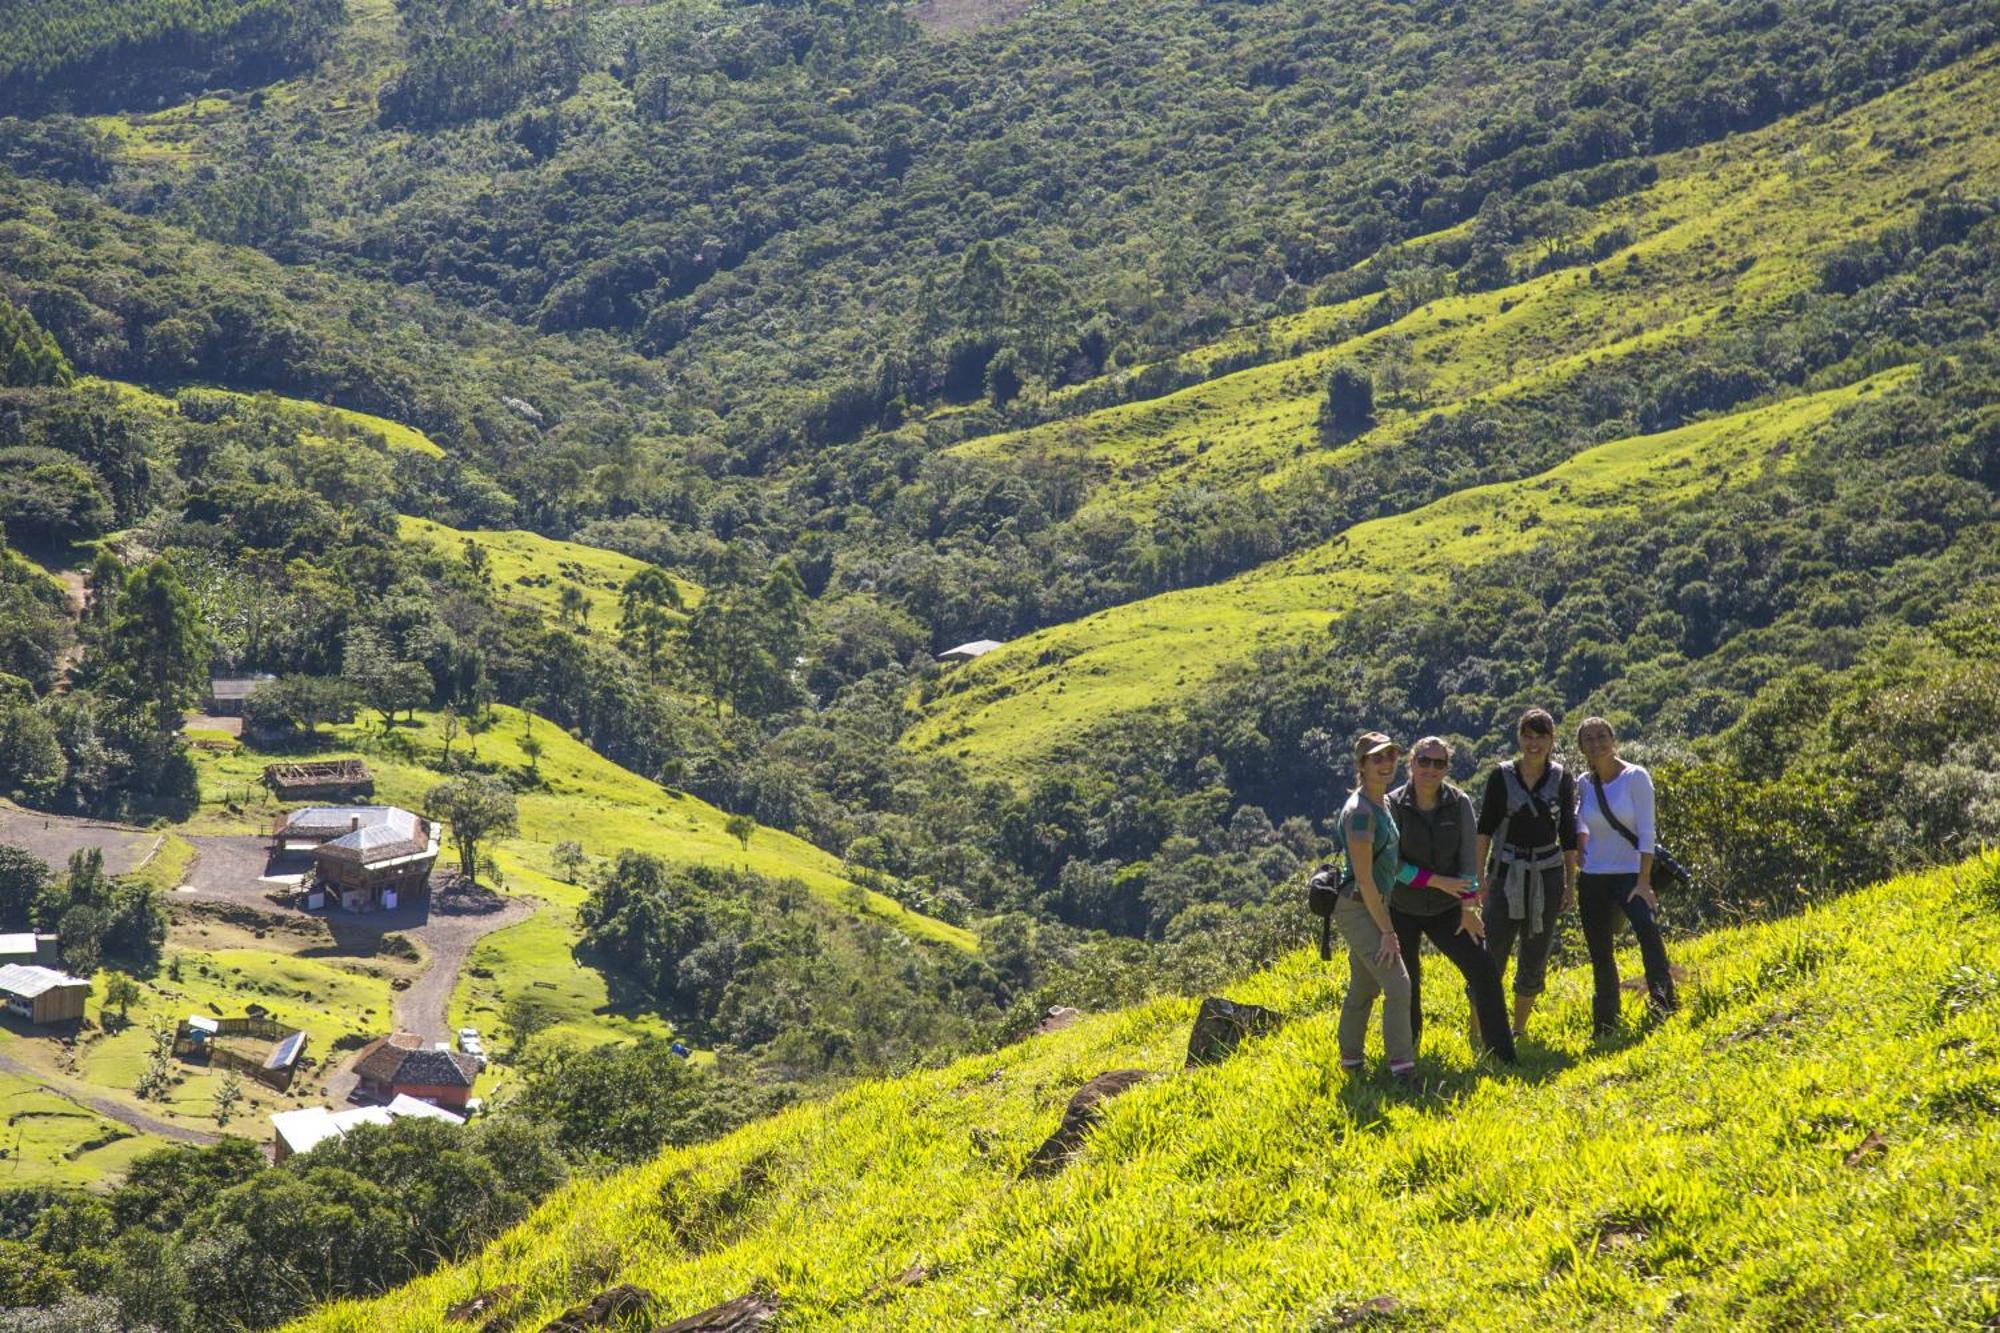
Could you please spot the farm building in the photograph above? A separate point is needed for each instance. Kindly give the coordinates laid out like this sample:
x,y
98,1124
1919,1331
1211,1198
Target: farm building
x,y
320,780
302,1131
228,694
367,856
42,995
27,946
406,1066
965,652
240,1044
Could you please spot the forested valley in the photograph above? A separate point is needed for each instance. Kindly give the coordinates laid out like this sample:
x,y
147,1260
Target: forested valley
x,y
643,397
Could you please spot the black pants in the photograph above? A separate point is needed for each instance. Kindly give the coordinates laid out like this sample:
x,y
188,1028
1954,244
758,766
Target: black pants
x,y
1482,979
1536,937
1599,899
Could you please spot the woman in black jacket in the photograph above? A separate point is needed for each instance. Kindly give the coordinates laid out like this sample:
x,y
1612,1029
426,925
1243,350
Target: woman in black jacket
x,y
1437,894
1530,866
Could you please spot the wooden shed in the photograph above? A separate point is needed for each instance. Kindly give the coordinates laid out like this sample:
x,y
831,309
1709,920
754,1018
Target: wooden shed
x,y
42,995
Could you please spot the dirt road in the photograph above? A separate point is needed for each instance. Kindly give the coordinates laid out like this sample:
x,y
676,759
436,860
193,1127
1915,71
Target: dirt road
x,y
104,1106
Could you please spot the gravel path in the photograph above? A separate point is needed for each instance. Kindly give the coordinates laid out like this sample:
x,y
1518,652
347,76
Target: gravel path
x,y
446,924
104,1106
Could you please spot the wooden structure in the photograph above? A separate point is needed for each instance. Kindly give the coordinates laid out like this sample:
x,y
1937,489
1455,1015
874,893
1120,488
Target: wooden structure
x,y
404,1065
364,856
28,946
196,1037
320,780
42,995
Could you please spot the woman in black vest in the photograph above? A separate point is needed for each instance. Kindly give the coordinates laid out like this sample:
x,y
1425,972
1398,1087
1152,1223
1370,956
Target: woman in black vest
x,y
1530,802
1437,893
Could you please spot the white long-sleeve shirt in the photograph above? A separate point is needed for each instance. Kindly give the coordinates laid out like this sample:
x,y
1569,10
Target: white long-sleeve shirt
x,y
1607,851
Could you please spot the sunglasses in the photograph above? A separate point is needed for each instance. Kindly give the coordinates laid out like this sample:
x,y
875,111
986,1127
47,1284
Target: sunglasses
x,y
1430,761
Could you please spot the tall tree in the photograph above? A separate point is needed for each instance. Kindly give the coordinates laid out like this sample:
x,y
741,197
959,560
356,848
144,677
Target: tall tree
x,y
477,808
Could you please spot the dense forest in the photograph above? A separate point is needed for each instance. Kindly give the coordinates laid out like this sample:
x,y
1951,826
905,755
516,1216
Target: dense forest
x,y
723,287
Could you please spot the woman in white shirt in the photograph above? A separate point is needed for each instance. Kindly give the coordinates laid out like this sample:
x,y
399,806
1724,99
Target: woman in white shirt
x,y
1615,807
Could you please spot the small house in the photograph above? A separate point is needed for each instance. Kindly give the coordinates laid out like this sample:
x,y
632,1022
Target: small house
x,y
965,652
367,856
27,946
303,1130
404,1065
227,695
42,995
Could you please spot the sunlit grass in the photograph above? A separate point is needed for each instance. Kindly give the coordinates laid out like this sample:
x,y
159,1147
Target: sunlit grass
x,y
1698,1171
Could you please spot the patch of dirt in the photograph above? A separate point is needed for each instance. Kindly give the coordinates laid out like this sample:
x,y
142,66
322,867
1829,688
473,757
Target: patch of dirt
x,y
54,837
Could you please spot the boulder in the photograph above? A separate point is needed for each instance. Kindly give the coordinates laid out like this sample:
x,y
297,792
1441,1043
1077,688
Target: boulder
x,y
1222,1025
745,1314
1085,1109
606,1307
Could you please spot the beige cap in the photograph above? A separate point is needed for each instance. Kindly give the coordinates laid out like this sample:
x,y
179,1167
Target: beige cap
x,y
1373,742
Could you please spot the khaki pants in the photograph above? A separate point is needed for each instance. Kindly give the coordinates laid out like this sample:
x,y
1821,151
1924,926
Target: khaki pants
x,y
1366,979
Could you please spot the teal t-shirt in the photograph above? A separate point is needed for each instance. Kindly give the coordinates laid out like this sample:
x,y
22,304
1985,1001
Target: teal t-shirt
x,y
1362,818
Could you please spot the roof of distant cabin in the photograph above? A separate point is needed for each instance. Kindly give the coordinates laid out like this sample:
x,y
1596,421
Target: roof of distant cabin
x,y
28,981
18,945
236,687
404,1059
976,648
306,1129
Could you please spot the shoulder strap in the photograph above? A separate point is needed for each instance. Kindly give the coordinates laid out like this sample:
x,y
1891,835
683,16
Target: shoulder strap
x,y
1610,818
1528,795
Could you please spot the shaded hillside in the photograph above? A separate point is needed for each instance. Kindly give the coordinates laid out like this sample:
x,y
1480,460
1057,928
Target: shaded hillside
x,y
1807,1144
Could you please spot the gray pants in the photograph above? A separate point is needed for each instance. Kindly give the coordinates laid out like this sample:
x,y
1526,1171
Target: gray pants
x,y
1366,979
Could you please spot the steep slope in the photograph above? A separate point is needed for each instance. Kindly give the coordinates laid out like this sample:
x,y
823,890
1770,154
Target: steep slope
x,y
1809,1142
1043,693
1731,239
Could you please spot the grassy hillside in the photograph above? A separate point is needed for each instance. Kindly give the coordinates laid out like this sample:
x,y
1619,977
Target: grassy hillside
x,y
1808,1144
1729,235
582,797
1045,691
46,1139
530,569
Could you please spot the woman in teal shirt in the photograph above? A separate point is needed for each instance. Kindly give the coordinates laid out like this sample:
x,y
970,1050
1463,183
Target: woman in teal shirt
x,y
1369,834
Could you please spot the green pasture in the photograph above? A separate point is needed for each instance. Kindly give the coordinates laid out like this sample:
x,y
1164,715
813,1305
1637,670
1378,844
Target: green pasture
x,y
324,996
1048,689
534,959
1810,1143
531,570
46,1139
1728,232
582,797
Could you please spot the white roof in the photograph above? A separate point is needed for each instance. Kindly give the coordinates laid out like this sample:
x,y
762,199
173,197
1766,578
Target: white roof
x,y
339,819
304,1130
977,648
16,945
203,1023
27,982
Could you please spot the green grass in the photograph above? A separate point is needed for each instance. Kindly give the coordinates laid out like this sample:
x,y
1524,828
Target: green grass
x,y
394,435
531,570
583,797
46,1139
166,868
328,998
1042,692
1694,1173
534,959
1728,233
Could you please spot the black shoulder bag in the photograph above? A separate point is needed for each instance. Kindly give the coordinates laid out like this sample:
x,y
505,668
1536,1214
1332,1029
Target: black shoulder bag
x,y
1323,890
1668,872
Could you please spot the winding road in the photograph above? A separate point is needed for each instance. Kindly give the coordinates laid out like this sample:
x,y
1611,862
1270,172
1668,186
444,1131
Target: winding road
x,y
104,1106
